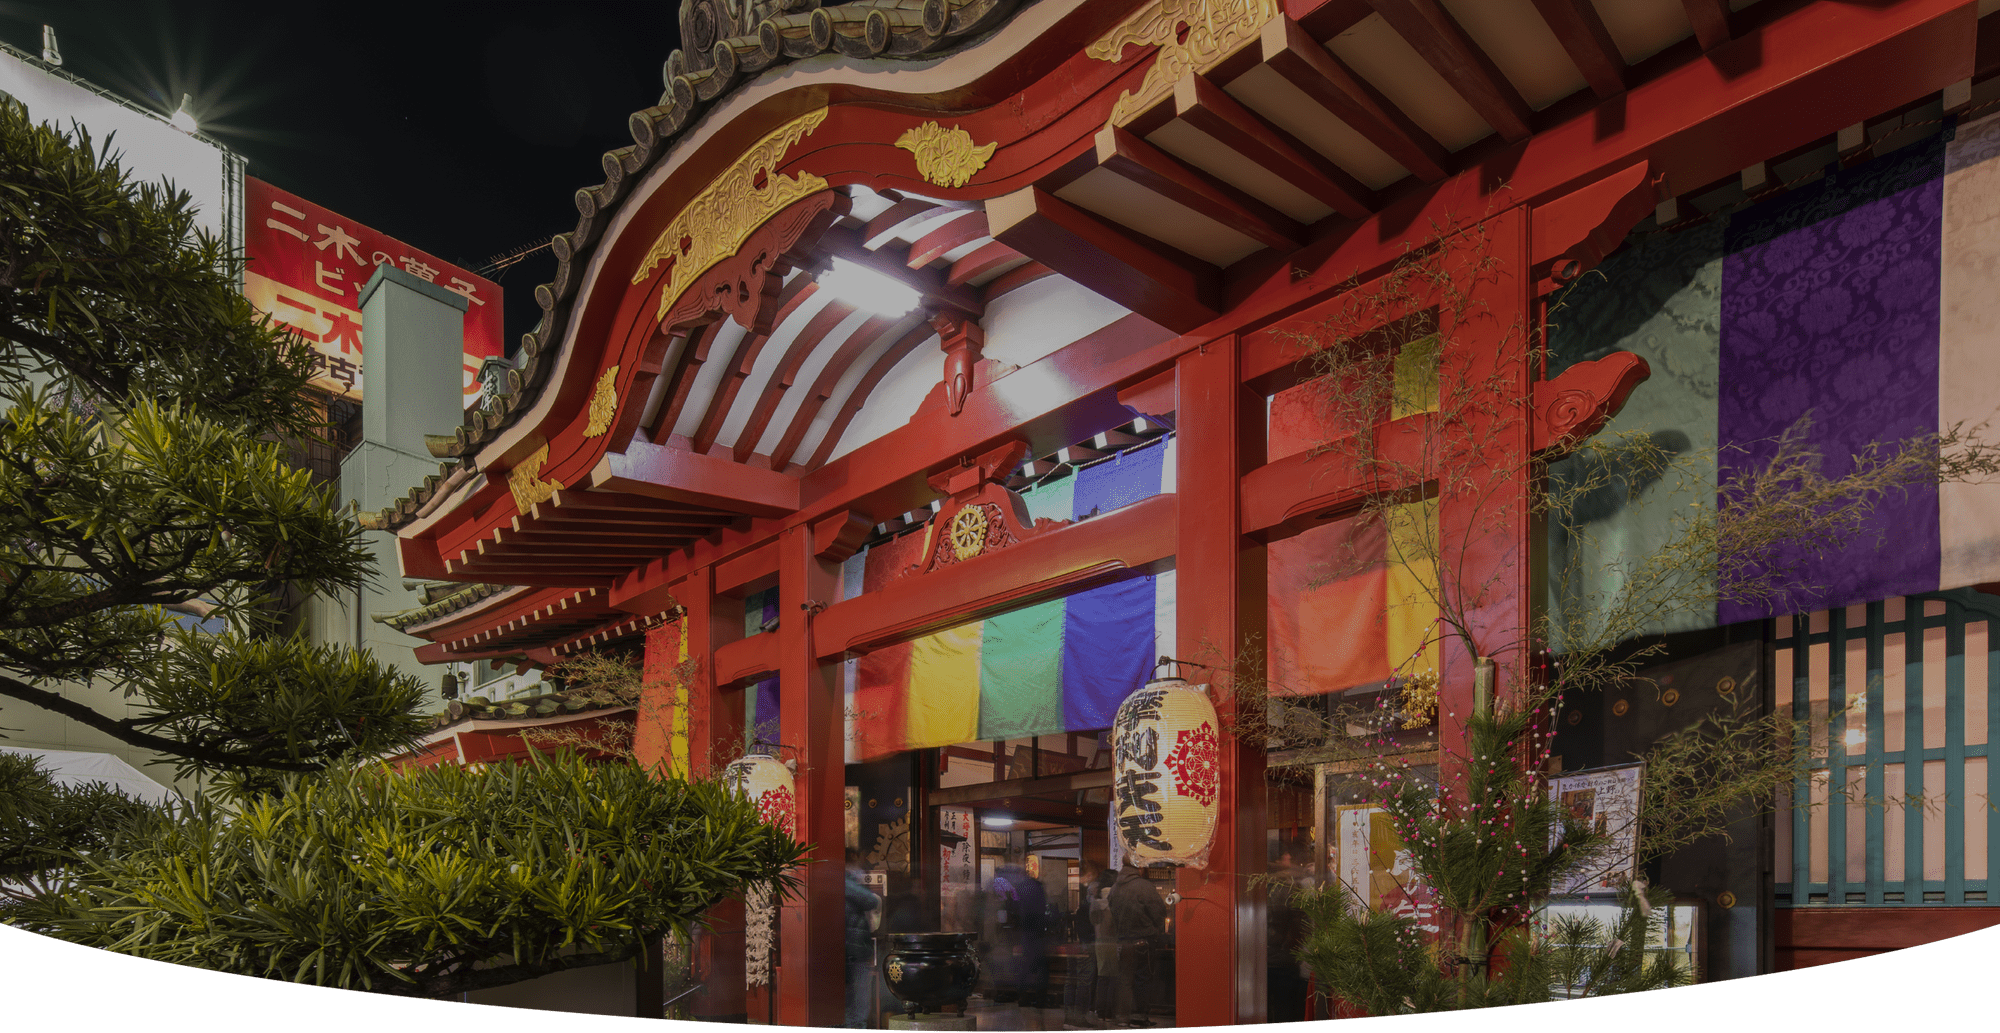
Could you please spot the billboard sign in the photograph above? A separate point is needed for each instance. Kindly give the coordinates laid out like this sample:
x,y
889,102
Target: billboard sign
x,y
308,266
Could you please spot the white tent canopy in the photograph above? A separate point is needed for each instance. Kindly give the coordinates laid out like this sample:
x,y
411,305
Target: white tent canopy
x,y
75,768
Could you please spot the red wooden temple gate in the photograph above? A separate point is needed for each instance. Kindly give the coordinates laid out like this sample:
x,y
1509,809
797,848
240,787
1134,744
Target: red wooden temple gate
x,y
695,420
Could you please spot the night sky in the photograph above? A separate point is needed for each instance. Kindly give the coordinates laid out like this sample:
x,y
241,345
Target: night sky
x,y
463,129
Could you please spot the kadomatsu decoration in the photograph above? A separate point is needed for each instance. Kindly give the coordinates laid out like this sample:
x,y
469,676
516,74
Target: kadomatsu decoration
x,y
1166,748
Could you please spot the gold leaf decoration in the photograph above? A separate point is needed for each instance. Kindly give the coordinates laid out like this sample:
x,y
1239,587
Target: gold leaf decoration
x,y
946,157
603,404
720,218
968,532
1193,36
525,480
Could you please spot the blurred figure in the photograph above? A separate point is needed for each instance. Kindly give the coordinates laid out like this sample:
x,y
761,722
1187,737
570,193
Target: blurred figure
x,y
1139,921
1080,989
861,905
1105,947
1021,923
1285,989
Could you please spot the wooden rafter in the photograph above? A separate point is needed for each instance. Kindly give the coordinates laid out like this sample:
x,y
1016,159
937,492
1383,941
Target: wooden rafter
x,y
1436,37
1174,290
1297,57
1203,105
1710,19
740,364
807,340
1581,32
1143,165
865,386
951,235
982,260
884,227
849,352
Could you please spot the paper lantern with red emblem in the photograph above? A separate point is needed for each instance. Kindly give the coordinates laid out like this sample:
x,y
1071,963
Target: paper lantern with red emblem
x,y
767,782
1167,750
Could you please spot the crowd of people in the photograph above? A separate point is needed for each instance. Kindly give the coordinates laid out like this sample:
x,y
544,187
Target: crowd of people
x,y
1117,942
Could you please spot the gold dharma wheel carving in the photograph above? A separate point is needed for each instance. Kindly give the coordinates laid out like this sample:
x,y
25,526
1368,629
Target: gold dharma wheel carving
x,y
968,532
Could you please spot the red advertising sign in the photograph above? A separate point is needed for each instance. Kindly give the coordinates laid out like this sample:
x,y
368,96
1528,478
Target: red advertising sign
x,y
307,268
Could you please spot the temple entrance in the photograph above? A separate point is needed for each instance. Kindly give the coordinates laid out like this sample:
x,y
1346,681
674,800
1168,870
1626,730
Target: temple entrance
x,y
1013,845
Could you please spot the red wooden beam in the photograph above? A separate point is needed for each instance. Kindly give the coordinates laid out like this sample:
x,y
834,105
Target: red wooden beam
x,y
1710,19
807,339
1145,166
678,475
850,351
1438,39
980,261
1205,106
953,234
864,387
1296,55
1589,45
1131,540
1306,488
1171,289
746,658
811,925
1015,279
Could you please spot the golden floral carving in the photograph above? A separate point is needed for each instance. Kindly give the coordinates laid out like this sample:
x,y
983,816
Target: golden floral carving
x,y
525,480
737,201
603,404
1193,36
946,157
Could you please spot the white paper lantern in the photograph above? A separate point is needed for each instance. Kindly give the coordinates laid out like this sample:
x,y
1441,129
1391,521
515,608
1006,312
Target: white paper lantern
x,y
768,783
1167,767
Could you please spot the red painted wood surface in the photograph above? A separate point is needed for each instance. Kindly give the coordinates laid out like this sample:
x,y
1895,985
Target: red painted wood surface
x,y
1219,610
811,985
1804,937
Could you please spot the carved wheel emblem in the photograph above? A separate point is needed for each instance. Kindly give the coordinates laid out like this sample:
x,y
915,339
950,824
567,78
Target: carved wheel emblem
x,y
968,532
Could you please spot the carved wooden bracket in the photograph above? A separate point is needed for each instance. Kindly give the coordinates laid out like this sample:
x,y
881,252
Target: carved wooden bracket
x,y
838,536
962,340
1582,400
979,515
745,285
1573,233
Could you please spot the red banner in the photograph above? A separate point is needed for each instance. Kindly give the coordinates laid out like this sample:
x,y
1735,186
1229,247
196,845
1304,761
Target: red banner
x,y
307,268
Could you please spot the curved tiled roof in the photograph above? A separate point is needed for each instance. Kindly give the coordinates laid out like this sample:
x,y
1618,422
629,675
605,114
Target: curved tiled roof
x,y
726,46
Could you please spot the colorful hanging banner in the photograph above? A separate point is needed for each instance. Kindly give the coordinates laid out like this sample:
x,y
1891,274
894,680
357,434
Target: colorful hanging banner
x,y
1864,299
1351,603
1058,666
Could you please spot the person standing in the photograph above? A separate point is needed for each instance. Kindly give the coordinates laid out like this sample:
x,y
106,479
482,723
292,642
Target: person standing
x,y
861,903
1285,986
1139,921
1105,946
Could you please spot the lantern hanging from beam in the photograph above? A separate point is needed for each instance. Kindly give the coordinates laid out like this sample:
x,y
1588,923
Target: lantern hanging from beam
x,y
1167,752
767,782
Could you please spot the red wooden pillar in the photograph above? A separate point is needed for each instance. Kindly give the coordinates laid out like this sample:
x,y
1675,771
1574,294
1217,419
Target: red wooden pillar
x,y
714,730
1219,926
1489,550
811,926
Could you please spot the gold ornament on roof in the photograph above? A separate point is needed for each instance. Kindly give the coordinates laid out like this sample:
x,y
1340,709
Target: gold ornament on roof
x,y
968,532
737,201
603,404
525,480
1193,36
946,157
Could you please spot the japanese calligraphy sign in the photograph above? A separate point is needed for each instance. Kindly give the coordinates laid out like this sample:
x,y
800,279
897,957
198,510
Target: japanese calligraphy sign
x,y
1166,774
307,268
1369,858
1606,799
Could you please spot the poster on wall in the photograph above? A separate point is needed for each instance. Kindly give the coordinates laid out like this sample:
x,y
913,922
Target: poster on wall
x,y
1370,860
1606,799
308,266
960,886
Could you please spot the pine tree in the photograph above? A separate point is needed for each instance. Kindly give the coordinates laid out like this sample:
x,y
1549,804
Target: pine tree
x,y
143,407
